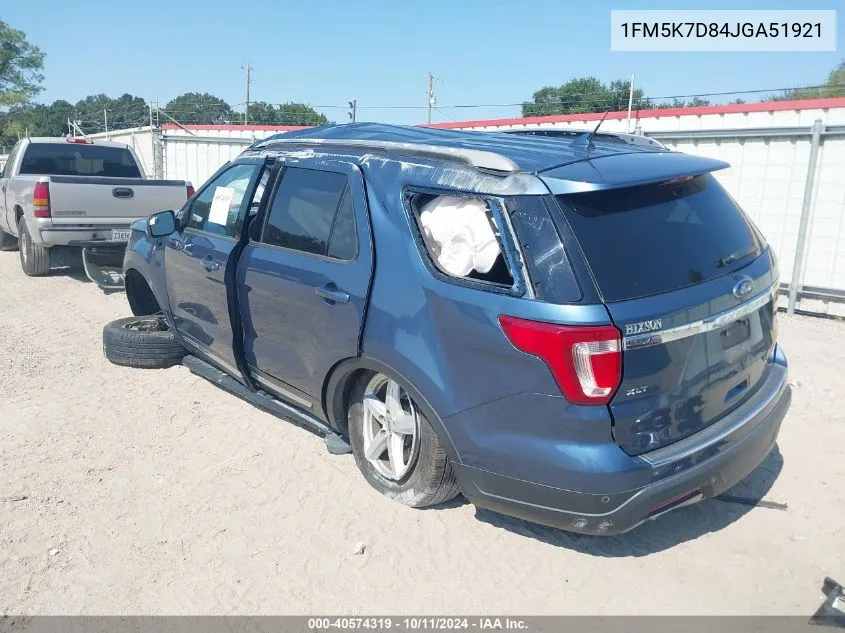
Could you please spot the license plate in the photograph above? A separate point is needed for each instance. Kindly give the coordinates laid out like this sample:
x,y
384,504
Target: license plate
x,y
736,333
120,235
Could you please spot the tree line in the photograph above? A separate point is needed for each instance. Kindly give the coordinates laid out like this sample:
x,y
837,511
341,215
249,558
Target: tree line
x,y
100,113
589,94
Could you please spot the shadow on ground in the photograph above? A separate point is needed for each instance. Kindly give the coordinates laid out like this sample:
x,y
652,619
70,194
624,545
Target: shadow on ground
x,y
684,524
67,262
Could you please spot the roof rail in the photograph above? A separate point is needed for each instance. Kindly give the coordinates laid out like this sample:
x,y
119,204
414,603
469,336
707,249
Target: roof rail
x,y
473,157
624,137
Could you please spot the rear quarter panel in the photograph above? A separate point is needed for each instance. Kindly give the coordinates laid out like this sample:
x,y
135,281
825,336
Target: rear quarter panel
x,y
445,339
19,196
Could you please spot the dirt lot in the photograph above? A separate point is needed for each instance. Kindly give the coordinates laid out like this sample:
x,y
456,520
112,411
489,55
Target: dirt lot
x,y
130,491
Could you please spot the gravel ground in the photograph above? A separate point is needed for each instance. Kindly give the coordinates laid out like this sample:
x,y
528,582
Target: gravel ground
x,y
131,491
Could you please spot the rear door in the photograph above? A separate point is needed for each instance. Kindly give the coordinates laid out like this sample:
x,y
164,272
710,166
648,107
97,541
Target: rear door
x,y
688,280
198,253
304,278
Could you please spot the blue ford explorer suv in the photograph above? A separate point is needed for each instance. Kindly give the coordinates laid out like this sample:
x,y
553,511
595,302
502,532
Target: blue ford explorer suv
x,y
577,332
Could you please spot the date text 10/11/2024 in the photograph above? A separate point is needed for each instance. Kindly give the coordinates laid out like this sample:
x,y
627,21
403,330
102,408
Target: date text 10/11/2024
x,y
417,624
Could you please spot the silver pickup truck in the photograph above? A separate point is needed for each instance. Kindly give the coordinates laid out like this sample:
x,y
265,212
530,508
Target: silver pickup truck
x,y
80,193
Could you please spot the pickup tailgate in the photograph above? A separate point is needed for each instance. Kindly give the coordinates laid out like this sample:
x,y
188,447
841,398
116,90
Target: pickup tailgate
x,y
78,200
688,281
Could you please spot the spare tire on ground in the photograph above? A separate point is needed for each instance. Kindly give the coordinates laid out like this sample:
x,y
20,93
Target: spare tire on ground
x,y
144,342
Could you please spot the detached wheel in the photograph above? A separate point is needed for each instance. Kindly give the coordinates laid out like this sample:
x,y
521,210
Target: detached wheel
x,y
144,342
35,259
7,242
395,447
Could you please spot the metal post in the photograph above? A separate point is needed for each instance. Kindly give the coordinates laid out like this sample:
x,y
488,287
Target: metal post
x,y
106,122
805,217
152,138
430,94
630,103
248,69
158,153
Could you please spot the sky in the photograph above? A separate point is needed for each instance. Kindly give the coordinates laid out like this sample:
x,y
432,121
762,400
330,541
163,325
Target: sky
x,y
327,52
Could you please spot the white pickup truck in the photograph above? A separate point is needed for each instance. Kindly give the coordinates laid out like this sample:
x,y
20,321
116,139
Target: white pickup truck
x,y
80,193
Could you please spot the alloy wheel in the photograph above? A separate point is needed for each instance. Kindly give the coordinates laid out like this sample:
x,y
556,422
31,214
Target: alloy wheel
x,y
390,428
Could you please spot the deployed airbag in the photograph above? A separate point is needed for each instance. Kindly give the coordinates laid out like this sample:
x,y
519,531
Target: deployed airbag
x,y
458,234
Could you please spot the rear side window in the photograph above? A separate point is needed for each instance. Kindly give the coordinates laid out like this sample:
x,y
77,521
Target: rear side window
x,y
645,240
72,159
313,212
461,239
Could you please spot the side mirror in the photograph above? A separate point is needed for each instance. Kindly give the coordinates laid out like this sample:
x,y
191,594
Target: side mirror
x,y
161,224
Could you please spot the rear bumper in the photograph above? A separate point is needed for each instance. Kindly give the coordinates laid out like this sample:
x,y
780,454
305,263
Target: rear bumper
x,y
49,235
703,470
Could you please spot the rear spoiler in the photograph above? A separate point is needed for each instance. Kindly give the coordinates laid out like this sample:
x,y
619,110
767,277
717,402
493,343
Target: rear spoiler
x,y
626,170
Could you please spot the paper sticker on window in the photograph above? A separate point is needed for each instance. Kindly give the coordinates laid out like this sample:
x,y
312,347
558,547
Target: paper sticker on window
x,y
219,212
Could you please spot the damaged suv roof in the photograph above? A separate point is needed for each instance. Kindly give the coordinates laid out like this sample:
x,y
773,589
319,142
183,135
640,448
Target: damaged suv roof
x,y
552,158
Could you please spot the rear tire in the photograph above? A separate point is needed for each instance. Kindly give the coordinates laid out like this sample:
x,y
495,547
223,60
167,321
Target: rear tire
x,y
35,259
8,242
412,468
144,342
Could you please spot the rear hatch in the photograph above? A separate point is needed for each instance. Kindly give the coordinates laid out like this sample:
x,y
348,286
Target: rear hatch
x,y
688,281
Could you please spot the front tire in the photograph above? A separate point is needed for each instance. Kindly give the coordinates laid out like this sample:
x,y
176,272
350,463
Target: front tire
x,y
144,342
7,242
35,259
395,447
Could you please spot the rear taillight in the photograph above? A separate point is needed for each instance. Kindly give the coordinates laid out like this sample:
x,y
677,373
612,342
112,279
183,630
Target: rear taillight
x,y
586,361
41,200
79,141
191,191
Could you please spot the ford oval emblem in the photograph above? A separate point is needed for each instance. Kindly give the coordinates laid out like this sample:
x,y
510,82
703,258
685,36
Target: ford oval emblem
x,y
743,288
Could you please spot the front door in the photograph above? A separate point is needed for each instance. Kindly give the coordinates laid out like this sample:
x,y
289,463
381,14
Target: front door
x,y
198,254
304,278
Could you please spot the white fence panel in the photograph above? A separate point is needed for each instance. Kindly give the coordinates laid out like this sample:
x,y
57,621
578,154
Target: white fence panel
x,y
825,256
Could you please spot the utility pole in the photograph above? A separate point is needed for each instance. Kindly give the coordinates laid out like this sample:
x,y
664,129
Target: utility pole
x,y
630,103
248,69
106,121
431,97
353,107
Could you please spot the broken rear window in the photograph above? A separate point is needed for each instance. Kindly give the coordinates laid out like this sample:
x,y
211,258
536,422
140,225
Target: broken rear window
x,y
461,238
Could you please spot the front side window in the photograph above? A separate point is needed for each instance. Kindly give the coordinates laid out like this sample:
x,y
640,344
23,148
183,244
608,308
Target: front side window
x,y
217,208
313,212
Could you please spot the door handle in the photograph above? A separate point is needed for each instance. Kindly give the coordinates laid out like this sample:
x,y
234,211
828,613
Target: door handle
x,y
331,294
209,264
